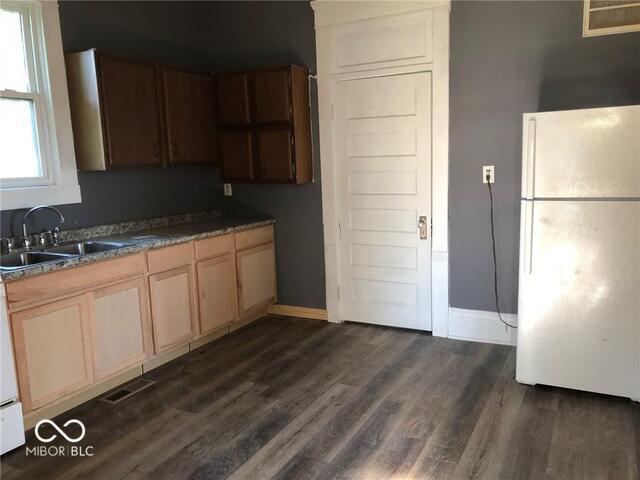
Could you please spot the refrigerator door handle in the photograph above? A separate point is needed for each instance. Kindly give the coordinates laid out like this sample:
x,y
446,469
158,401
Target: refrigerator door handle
x,y
529,156
528,237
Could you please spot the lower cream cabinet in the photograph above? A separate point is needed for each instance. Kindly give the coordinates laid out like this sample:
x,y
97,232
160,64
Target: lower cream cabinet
x,y
117,314
216,292
256,277
119,327
172,307
52,349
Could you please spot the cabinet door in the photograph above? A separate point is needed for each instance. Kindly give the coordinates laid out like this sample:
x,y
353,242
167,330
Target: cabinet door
x,y
275,155
52,349
216,292
172,307
233,98
236,155
189,108
256,278
119,327
131,112
272,96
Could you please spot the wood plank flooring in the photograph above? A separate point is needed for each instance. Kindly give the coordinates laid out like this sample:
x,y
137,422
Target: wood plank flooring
x,y
288,398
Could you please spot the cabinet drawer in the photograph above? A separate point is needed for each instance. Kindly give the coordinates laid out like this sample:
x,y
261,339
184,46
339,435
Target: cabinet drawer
x,y
272,102
236,155
170,257
254,237
73,280
233,98
214,247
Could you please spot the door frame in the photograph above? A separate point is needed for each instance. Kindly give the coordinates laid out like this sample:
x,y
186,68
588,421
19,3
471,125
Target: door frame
x,y
331,18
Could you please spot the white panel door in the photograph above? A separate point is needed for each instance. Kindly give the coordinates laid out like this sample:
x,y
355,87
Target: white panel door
x,y
579,304
592,153
382,132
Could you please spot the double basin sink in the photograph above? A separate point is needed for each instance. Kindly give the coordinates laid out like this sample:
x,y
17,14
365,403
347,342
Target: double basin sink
x,y
15,261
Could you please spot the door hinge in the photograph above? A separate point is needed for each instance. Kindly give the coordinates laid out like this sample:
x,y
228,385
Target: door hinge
x,y
333,113
339,230
338,292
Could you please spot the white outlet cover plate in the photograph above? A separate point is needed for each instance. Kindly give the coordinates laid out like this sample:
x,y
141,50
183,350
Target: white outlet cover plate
x,y
227,190
490,169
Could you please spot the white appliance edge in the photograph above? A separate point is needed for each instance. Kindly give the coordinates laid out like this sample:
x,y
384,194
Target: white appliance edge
x,y
11,421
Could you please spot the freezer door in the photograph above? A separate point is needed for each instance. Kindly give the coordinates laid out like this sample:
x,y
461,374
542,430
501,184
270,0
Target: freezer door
x,y
593,153
579,297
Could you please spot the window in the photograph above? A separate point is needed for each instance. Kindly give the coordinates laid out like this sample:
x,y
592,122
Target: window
x,y
37,162
604,17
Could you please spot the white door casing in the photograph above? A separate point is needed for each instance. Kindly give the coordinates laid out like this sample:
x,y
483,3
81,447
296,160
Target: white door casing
x,y
370,39
382,132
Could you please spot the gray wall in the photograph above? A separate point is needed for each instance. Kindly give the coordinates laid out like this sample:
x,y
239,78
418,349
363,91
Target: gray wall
x,y
166,32
262,34
508,58
202,36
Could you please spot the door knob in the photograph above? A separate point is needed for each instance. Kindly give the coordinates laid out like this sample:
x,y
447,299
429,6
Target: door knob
x,y
422,227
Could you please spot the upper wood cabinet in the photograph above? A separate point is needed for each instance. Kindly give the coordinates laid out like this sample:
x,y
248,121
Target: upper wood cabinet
x,y
266,112
236,154
233,98
115,111
189,102
275,152
272,96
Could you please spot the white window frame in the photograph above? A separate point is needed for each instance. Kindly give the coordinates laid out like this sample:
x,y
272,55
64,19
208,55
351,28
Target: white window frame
x,y
47,76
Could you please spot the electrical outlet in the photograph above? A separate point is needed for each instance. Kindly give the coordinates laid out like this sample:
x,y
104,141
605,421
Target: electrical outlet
x,y
488,170
227,190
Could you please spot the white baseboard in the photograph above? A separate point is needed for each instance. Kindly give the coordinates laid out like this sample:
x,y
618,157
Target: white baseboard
x,y
481,326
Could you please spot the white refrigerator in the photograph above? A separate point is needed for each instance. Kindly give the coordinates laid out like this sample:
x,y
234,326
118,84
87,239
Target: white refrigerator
x,y
579,286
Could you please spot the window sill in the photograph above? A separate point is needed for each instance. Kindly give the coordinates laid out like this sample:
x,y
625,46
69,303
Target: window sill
x,y
27,197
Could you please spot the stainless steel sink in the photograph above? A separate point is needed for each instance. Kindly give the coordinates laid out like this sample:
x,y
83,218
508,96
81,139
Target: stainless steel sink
x,y
85,248
20,260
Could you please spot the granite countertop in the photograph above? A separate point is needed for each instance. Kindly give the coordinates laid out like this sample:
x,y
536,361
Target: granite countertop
x,y
140,236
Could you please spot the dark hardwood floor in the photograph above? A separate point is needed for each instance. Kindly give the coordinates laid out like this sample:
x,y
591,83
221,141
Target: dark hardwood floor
x,y
288,398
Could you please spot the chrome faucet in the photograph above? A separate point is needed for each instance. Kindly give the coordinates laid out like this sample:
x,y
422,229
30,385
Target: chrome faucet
x,y
27,240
